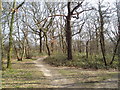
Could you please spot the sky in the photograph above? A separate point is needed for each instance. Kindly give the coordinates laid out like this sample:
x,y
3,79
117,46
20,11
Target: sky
x,y
92,1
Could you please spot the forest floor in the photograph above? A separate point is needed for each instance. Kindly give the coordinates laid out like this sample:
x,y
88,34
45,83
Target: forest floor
x,y
38,74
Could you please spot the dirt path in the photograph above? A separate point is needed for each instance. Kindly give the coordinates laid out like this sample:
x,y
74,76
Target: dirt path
x,y
56,79
76,78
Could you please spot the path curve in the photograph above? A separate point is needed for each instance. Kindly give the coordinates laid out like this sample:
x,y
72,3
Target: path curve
x,y
56,79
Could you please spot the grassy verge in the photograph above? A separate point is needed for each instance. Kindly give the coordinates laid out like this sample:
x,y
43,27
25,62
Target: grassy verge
x,y
23,75
80,61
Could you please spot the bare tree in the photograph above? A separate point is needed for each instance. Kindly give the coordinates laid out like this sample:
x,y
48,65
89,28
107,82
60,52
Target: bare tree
x,y
14,9
102,40
0,35
68,28
117,46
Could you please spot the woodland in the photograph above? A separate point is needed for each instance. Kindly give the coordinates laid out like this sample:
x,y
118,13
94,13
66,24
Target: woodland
x,y
77,38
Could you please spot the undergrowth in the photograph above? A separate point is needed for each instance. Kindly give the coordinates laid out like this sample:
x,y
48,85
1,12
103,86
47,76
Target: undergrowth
x,y
80,61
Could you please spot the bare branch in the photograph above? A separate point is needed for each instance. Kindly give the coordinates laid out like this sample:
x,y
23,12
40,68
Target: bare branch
x,y
79,29
82,11
18,7
79,4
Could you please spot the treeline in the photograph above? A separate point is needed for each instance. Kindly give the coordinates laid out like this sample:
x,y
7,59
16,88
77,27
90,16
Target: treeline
x,y
33,28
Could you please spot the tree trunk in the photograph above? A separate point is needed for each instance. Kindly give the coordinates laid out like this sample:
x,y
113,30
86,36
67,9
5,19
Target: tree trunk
x,y
79,44
53,43
102,42
103,48
97,44
115,50
23,51
28,48
62,43
48,50
0,35
10,38
20,53
118,41
69,34
87,48
118,15
40,36
90,43
17,54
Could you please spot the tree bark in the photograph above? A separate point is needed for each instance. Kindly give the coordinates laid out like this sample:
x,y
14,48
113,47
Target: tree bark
x,y
48,50
102,42
118,15
10,33
87,48
118,41
40,36
52,43
10,37
1,35
69,34
115,50
97,41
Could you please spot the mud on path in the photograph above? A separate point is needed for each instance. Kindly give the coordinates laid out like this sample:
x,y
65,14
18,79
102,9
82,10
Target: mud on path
x,y
67,77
